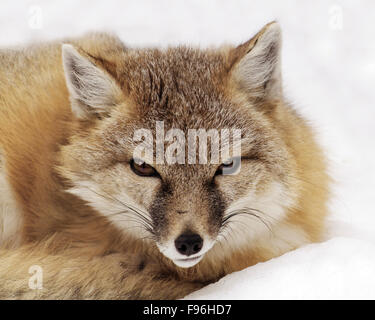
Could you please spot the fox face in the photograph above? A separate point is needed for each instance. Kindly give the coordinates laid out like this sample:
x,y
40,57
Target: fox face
x,y
184,206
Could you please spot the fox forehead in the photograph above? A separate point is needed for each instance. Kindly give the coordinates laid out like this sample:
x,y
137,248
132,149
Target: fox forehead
x,y
182,86
192,74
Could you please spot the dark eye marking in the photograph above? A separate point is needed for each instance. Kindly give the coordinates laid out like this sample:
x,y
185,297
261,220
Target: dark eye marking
x,y
233,165
226,164
143,170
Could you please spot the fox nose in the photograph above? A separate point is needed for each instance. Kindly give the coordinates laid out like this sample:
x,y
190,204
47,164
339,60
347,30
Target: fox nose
x,y
188,244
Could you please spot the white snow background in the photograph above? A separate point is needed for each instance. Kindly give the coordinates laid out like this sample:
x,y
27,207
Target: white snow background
x,y
328,62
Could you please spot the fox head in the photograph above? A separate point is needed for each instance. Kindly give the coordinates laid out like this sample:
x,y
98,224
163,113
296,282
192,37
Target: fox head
x,y
185,207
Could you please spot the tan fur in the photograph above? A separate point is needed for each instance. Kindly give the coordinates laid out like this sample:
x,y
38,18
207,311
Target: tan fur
x,y
10,215
59,165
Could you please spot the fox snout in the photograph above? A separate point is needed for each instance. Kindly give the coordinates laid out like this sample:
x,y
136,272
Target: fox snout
x,y
187,246
188,223
189,243
187,249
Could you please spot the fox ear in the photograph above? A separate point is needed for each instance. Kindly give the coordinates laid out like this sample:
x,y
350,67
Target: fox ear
x,y
256,63
92,90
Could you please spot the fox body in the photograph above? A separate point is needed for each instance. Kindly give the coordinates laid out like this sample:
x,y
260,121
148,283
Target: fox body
x,y
74,202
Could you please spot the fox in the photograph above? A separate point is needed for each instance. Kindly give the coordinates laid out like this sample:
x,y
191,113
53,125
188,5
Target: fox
x,y
100,224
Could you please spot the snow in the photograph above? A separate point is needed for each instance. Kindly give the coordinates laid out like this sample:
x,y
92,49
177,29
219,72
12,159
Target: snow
x,y
341,268
329,71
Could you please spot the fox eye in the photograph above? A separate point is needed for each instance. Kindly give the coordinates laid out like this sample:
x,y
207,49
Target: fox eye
x,y
225,164
143,169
